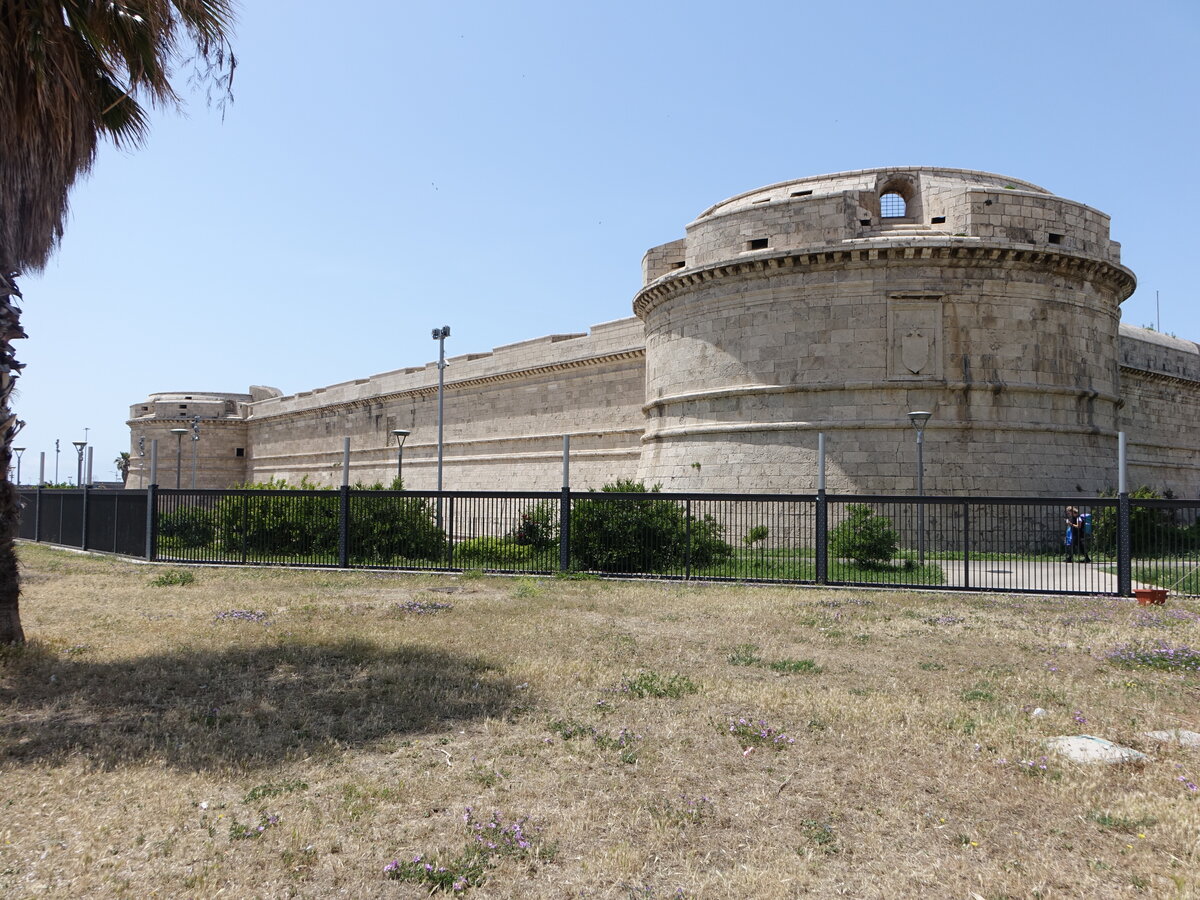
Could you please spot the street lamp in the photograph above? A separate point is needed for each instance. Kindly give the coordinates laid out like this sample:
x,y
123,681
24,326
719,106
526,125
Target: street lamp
x,y
919,420
179,433
79,445
18,451
400,435
440,335
195,444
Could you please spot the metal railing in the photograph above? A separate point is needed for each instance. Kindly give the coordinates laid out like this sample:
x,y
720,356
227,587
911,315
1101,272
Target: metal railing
x,y
982,543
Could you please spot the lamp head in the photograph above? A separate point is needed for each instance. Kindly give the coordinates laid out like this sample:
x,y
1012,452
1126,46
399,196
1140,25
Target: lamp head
x,y
79,445
400,434
178,431
919,419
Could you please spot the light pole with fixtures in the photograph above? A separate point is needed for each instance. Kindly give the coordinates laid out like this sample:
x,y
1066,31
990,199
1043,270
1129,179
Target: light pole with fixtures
x,y
179,433
79,445
919,420
18,451
400,434
195,445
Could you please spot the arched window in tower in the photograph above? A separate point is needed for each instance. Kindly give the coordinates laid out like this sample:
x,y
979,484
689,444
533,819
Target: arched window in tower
x,y
892,206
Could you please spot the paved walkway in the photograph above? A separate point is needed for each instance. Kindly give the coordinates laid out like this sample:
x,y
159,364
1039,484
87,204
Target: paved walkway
x,y
1034,575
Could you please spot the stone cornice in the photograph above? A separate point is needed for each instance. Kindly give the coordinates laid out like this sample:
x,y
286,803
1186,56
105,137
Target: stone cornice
x,y
1161,376
462,384
736,428
951,253
756,390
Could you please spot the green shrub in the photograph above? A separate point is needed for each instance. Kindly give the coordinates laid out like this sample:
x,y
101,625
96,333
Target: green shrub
x,y
1152,531
493,552
864,537
641,535
538,527
756,534
187,528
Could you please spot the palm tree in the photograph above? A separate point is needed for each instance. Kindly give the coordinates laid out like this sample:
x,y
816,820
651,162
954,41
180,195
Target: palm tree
x,y
71,74
122,464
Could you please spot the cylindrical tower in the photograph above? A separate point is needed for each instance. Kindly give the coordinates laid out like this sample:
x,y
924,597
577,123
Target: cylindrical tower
x,y
840,303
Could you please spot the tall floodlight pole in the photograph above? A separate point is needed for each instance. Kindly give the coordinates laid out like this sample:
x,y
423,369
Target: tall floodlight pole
x,y
401,436
18,451
195,444
919,420
79,445
56,452
440,335
179,433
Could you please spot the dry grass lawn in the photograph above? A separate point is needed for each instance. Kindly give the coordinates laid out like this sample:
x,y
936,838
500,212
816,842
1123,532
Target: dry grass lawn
x,y
268,733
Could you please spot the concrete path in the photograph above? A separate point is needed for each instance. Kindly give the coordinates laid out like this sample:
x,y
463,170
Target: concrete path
x,y
1034,575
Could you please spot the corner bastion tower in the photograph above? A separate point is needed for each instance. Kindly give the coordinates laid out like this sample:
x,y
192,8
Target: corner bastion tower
x,y
833,304
839,303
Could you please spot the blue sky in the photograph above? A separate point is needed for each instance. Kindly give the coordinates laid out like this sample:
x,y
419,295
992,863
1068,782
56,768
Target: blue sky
x,y
501,168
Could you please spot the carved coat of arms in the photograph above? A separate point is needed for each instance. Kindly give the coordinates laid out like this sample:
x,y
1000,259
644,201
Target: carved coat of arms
x,y
914,351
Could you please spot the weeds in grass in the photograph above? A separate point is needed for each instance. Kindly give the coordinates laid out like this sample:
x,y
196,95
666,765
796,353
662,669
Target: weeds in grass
x,y
490,839
683,810
1122,823
977,694
1162,657
240,832
652,684
751,734
820,835
744,655
795,666
274,789
625,742
174,576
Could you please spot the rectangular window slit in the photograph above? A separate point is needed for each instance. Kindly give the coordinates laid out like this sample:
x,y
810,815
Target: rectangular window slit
x,y
1054,238
801,193
678,265
864,222
938,220
763,200
757,244
239,451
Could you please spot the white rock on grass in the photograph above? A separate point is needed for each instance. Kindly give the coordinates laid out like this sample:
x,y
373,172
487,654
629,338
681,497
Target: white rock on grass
x,y
1189,739
1086,748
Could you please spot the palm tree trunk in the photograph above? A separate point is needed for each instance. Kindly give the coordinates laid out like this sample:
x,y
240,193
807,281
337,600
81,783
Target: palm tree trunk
x,y
10,499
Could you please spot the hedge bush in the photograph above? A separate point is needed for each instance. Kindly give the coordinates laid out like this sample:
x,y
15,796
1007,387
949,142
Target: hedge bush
x,y
641,535
865,537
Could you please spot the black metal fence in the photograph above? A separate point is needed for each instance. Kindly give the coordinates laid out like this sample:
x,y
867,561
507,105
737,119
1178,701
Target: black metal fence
x,y
1008,544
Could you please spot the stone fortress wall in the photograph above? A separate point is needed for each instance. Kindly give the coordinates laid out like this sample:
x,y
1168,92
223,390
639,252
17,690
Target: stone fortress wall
x,y
833,304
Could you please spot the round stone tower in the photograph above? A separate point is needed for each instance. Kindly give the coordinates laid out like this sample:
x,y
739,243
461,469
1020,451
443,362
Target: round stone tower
x,y
840,303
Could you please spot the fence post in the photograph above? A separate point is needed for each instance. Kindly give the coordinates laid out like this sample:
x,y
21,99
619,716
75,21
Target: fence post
x,y
152,522
822,537
822,515
83,537
687,555
344,526
1124,548
564,530
966,544
450,533
37,514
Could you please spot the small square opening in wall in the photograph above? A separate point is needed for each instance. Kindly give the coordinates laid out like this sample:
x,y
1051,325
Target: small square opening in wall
x,y
240,451
183,406
757,244
678,265
864,222
938,220
1054,238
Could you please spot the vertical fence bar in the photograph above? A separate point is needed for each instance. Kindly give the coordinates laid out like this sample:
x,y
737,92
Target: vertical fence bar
x,y
966,543
344,526
1124,548
152,522
822,543
83,538
37,513
564,531
450,534
687,547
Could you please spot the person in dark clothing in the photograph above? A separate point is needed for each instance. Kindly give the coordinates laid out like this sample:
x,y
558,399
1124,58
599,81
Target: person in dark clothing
x,y
1076,535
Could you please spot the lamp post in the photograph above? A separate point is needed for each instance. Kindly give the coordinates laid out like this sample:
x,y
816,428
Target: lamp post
x,y
79,445
179,433
195,445
919,420
18,451
440,335
400,434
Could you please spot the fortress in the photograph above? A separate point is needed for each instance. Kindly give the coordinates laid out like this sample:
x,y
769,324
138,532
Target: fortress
x,y
832,304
